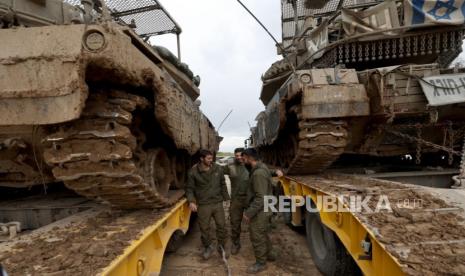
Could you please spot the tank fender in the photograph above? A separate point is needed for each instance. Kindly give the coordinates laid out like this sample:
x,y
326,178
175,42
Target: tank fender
x,y
331,101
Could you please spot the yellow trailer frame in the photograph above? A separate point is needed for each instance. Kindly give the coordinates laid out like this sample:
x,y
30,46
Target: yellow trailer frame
x,y
350,230
145,255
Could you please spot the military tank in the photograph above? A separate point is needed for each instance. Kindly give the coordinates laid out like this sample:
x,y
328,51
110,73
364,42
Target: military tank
x,y
87,101
371,80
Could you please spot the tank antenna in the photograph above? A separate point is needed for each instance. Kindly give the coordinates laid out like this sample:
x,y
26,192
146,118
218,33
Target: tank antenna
x,y
283,51
224,120
105,12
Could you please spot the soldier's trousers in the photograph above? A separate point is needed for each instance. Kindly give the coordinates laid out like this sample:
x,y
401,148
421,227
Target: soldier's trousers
x,y
205,213
258,230
236,212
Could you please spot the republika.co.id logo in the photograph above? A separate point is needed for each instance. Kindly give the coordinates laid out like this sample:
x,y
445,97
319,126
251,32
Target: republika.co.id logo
x,y
328,203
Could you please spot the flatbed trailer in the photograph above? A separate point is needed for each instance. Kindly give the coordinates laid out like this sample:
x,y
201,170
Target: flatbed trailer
x,y
428,239
424,234
98,241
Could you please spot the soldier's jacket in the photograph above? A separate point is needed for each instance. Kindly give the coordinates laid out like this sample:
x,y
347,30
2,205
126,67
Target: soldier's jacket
x,y
260,185
206,187
239,176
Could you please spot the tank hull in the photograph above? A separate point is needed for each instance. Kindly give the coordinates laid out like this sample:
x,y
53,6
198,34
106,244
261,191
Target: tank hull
x,y
379,112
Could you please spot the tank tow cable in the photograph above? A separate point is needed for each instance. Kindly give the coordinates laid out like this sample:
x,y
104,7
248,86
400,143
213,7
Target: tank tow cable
x,y
459,180
225,260
10,228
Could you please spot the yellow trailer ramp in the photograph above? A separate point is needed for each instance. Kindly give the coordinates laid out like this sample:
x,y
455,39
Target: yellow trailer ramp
x,y
145,255
425,239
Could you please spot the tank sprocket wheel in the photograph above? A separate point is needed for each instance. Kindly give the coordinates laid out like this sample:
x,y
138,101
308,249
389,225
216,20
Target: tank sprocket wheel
x,y
158,172
180,168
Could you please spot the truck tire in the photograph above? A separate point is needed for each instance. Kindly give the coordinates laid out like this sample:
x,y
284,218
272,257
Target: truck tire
x,y
328,253
175,242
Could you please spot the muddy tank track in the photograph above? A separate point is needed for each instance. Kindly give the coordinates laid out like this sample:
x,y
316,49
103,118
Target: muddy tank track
x,y
100,155
317,144
320,144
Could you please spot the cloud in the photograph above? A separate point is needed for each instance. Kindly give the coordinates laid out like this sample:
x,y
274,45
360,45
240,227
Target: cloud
x,y
230,51
231,142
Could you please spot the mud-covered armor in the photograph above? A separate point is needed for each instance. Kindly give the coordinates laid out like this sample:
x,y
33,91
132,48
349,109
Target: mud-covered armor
x,y
86,100
365,78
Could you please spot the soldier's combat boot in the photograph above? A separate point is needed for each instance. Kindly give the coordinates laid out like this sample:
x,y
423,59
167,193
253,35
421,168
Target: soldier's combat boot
x,y
255,268
235,248
272,255
207,252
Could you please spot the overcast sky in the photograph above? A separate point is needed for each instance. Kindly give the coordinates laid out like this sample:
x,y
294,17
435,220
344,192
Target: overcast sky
x,y
230,52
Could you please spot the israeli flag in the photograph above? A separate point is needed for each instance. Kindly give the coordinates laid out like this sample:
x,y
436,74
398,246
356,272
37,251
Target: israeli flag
x,y
451,12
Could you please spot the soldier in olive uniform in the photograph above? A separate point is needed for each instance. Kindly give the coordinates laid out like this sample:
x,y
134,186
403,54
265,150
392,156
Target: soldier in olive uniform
x,y
260,185
206,190
239,176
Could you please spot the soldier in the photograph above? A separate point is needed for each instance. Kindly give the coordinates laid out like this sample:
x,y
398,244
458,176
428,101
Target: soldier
x,y
205,191
239,176
260,185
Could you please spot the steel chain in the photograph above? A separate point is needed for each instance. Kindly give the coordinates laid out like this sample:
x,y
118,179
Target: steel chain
x,y
451,143
418,153
438,43
394,48
430,44
415,46
459,180
401,47
367,52
422,44
408,43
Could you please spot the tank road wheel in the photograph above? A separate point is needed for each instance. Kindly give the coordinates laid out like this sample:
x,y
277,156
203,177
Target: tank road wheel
x,y
158,171
328,253
180,168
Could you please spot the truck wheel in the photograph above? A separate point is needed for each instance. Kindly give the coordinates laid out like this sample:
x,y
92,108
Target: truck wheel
x,y
175,241
328,253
